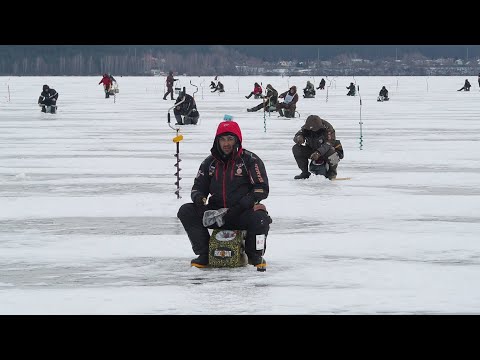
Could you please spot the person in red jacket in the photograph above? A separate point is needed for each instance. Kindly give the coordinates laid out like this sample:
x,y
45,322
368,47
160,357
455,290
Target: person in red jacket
x,y
257,92
107,84
237,180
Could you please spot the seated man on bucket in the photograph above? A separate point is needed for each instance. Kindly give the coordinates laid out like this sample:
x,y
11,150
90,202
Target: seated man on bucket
x,y
289,103
465,86
219,87
322,84
257,91
269,101
237,181
351,90
383,94
309,90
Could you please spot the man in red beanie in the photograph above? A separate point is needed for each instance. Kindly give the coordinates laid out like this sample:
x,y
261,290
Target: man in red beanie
x,y
237,180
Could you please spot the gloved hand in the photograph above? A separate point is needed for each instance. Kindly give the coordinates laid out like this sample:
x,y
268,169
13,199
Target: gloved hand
x,y
334,159
299,139
200,200
211,217
315,156
233,213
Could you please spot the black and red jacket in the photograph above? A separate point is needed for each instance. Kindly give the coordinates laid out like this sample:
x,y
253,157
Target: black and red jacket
x,y
106,81
237,179
170,81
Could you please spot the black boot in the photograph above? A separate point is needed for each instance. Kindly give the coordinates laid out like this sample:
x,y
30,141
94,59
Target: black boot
x,y
280,111
179,120
303,175
332,172
258,261
201,261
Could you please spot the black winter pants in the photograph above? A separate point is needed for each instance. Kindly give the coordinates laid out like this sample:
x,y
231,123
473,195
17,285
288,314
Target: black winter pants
x,y
49,102
301,155
169,91
255,222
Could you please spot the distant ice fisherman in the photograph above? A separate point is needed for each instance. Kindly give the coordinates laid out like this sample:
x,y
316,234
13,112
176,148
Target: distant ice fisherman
x,y
48,100
316,141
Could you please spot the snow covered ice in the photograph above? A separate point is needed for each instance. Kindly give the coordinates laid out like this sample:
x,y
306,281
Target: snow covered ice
x,y
88,211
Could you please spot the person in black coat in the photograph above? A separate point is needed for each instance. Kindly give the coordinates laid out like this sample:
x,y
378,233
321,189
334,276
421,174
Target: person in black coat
x,y
322,84
269,102
383,94
187,108
351,90
316,141
48,97
466,86
219,87
236,181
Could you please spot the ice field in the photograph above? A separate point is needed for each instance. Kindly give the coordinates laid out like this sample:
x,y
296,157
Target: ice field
x,y
88,211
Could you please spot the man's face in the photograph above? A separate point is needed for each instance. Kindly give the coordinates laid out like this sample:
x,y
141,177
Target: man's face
x,y
226,143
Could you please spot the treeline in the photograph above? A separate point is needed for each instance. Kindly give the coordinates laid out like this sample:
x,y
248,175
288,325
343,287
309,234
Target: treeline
x,y
84,60
370,52
120,60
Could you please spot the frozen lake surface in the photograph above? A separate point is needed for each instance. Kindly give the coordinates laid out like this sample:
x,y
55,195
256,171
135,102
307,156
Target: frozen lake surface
x,y
88,211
